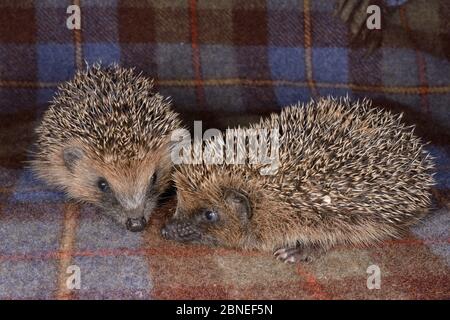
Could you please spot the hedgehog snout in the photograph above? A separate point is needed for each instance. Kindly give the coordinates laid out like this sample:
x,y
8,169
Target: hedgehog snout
x,y
179,230
136,224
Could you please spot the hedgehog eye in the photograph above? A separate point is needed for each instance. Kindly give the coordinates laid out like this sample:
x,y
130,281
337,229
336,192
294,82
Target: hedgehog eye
x,y
103,185
153,179
210,215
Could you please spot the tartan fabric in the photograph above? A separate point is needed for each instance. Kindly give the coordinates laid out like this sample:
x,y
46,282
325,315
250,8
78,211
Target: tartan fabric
x,y
224,62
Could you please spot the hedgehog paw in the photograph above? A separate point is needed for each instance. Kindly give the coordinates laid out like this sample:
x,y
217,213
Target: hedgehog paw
x,y
297,254
354,14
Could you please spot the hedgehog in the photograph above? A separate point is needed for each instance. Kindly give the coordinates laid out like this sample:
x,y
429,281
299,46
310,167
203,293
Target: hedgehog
x,y
105,140
349,173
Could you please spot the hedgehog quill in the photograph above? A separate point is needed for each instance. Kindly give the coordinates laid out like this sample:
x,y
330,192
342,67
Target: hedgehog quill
x,y
349,173
105,140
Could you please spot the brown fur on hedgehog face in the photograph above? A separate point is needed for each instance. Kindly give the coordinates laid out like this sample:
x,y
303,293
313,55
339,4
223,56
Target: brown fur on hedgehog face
x,y
220,211
126,190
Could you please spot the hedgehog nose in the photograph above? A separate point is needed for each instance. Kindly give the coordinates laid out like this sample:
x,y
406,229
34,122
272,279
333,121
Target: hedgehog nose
x,y
136,224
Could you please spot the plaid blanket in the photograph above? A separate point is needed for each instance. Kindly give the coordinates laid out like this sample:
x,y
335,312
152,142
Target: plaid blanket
x,y
224,62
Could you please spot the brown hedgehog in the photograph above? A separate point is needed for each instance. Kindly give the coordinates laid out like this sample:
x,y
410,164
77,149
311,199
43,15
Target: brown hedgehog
x,y
105,140
348,174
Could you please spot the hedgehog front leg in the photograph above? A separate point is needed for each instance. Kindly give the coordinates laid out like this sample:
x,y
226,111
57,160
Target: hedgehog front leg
x,y
300,253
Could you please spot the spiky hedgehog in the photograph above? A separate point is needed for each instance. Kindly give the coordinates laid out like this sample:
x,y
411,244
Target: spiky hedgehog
x,y
349,174
105,140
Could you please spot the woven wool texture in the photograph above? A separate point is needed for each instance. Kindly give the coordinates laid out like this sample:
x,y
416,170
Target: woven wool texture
x,y
224,62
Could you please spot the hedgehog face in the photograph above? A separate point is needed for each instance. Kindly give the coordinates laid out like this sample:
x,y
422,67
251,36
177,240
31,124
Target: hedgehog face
x,y
128,191
223,220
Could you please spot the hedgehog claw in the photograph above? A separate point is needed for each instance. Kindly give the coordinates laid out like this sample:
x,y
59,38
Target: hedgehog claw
x,y
297,254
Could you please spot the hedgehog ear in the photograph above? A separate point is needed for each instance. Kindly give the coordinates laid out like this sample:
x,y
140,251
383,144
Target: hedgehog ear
x,y
240,202
71,155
